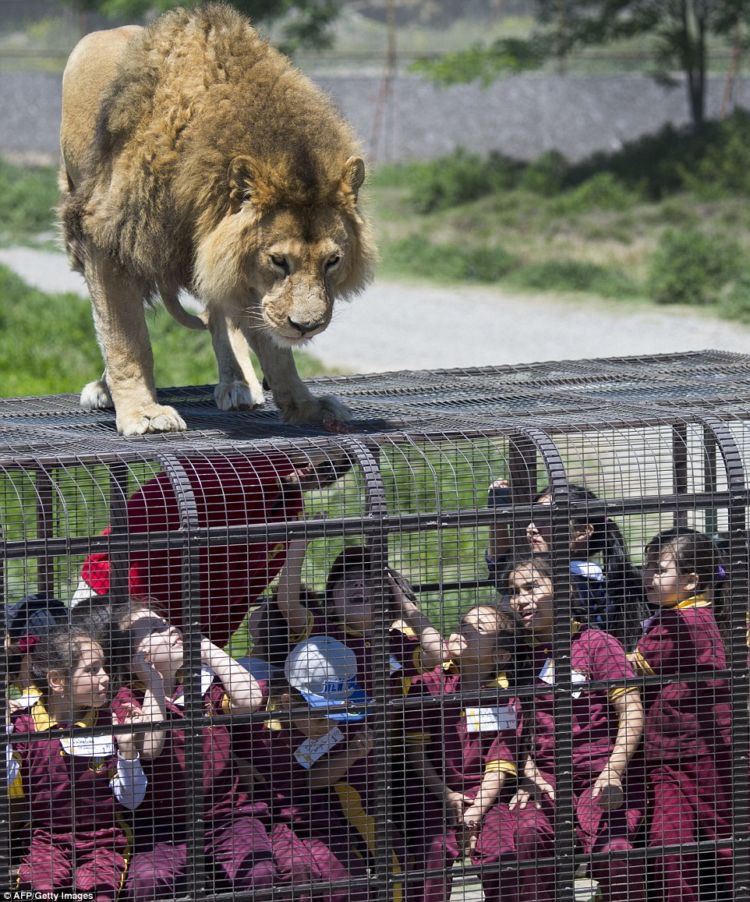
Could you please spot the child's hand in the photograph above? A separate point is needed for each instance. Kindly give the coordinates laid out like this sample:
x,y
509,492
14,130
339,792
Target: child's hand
x,y
126,742
456,804
498,494
298,547
608,790
144,671
362,744
472,821
521,799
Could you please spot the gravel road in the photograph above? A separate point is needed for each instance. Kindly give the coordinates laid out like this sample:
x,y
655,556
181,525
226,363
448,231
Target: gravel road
x,y
417,326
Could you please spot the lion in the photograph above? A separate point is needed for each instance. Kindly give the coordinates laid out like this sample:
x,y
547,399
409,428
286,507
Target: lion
x,y
195,156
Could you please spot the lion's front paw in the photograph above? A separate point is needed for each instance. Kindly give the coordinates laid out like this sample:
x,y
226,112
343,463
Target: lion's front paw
x,y
149,418
325,411
238,396
96,396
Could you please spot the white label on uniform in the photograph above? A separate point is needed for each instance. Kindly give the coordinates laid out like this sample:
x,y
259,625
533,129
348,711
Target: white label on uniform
x,y
312,750
395,664
576,678
89,746
481,720
547,675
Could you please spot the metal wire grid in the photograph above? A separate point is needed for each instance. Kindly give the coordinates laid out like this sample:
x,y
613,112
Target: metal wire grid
x,y
660,440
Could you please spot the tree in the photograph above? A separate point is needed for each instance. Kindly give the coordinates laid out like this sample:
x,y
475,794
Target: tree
x,y
305,23
681,30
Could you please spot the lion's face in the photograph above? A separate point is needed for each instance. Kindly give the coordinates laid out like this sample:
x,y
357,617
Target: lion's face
x,y
284,265
298,270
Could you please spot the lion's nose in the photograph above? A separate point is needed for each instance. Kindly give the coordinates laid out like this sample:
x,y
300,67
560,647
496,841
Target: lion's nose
x,y
304,328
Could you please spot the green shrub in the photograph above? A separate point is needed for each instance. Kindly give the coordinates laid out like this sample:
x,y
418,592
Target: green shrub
x,y
603,191
691,267
575,275
546,175
457,179
735,302
724,168
418,256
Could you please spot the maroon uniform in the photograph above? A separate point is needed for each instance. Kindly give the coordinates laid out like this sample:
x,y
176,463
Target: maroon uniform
x,y
319,835
402,645
237,843
228,491
462,744
529,833
78,839
687,742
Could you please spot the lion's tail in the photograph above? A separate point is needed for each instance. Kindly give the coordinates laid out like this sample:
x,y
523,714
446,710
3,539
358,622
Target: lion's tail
x,y
175,309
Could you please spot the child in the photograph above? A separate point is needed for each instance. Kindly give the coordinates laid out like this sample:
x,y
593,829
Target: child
x,y
606,729
352,613
688,725
464,752
609,595
236,839
25,624
318,773
71,784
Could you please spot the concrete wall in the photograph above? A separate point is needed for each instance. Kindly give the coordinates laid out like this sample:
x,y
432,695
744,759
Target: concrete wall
x,y
521,116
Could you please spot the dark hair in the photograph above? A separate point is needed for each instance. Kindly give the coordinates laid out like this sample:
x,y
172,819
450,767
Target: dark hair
x,y
26,622
542,564
58,649
357,559
694,552
622,606
272,639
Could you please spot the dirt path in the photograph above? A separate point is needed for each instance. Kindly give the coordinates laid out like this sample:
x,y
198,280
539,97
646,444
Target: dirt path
x,y
417,326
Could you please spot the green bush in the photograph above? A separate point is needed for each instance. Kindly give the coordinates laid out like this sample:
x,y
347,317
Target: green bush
x,y
691,267
546,175
603,191
575,275
418,256
724,168
457,179
735,302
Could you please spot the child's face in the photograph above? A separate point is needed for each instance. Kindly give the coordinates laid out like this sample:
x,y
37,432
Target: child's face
x,y
354,602
532,597
477,639
89,682
539,536
158,642
664,584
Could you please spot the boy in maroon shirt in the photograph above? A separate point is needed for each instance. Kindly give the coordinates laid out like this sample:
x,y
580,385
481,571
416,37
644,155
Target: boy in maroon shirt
x,y
607,728
71,785
462,752
231,490
316,772
237,844
688,724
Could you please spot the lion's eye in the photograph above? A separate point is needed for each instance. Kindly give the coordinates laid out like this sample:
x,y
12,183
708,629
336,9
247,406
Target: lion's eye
x,y
333,261
280,262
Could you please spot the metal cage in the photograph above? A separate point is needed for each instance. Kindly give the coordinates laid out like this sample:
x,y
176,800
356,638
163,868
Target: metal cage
x,y
203,524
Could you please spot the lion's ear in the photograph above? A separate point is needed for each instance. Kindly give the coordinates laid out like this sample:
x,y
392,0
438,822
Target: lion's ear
x,y
247,183
353,176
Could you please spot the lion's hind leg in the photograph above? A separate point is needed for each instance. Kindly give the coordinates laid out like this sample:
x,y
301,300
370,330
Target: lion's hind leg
x,y
238,387
120,321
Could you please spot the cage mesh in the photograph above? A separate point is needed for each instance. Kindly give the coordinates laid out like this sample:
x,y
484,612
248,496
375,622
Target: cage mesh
x,y
490,644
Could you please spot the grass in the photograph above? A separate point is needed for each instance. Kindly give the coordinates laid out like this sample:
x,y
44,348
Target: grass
x,y
48,345
27,199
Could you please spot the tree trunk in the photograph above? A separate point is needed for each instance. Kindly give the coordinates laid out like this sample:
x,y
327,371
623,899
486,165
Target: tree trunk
x,y
694,61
